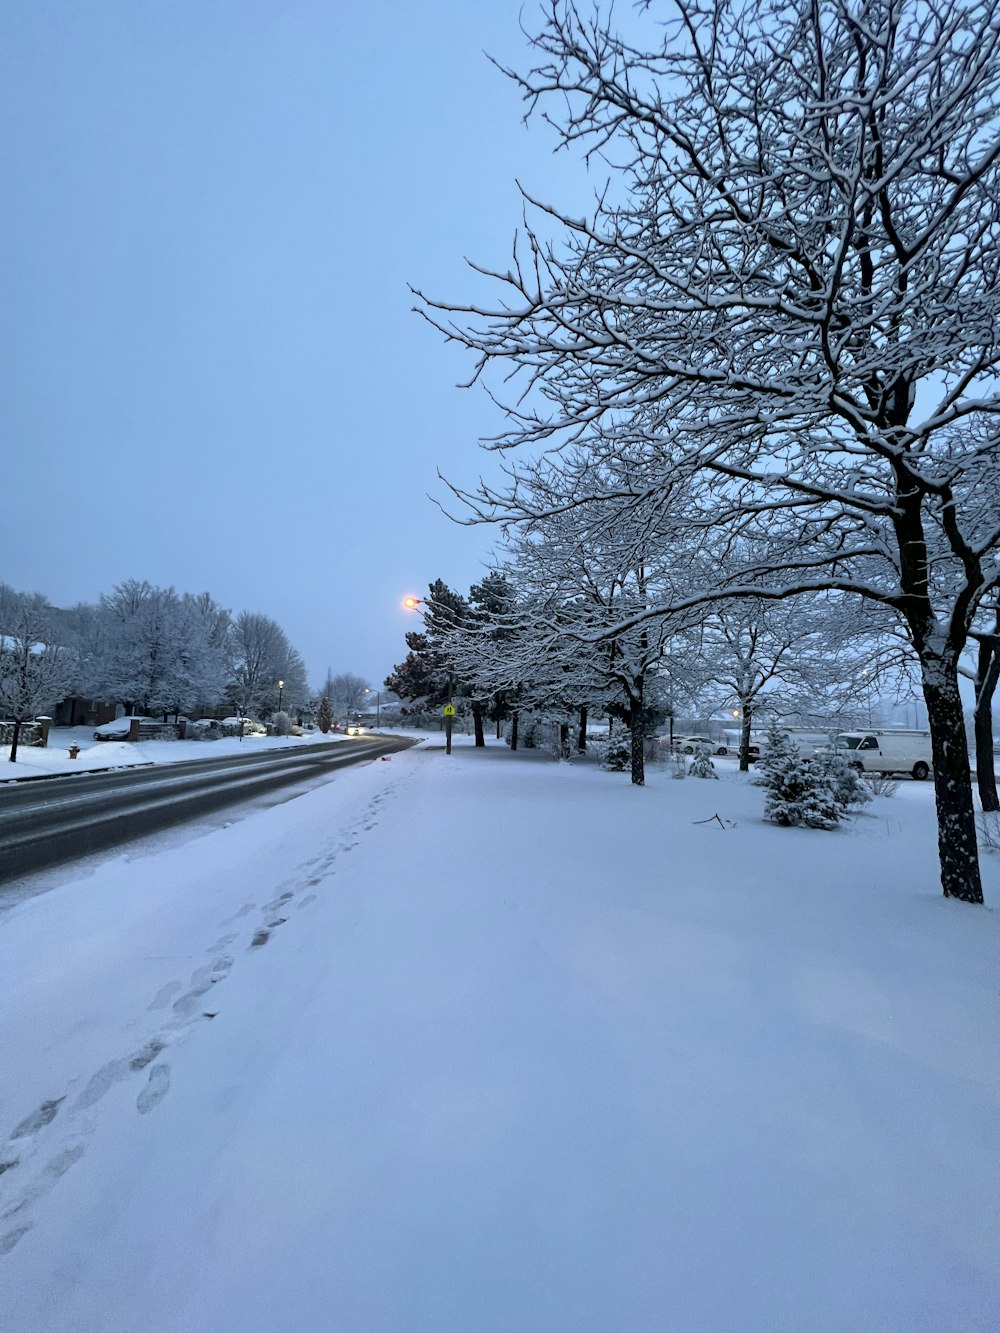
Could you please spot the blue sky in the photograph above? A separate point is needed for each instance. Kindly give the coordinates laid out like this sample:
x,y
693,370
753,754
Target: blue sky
x,y
210,374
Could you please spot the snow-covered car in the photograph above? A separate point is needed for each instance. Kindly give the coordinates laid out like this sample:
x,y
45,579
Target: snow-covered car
x,y
688,744
117,730
231,725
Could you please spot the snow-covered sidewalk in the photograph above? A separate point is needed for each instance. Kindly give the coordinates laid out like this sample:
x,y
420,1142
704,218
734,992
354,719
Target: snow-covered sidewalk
x,y
491,1044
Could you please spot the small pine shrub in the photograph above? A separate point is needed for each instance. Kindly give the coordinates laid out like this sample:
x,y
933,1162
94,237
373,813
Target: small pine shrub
x,y
798,794
618,758
778,749
843,780
701,765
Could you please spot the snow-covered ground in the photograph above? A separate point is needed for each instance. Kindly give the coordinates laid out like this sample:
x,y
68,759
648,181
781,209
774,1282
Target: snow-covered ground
x,y
33,762
491,1044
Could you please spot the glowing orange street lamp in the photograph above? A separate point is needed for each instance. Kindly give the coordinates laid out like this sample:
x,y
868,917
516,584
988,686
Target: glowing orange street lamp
x,y
411,604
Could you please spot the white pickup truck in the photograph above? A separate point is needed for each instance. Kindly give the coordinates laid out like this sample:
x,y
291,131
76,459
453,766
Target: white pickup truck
x,y
888,751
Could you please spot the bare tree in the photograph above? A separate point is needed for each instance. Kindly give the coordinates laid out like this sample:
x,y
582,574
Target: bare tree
x,y
346,693
259,652
789,299
34,671
808,655
985,680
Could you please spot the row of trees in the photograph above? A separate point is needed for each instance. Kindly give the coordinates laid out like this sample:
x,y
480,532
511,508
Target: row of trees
x,y
151,649
763,372
542,634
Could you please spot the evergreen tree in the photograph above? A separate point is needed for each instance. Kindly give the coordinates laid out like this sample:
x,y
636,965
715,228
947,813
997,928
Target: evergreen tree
x,y
324,717
778,751
799,794
701,765
844,782
618,755
427,676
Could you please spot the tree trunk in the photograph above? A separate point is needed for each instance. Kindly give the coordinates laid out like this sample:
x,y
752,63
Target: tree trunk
x,y
956,814
987,675
581,740
14,740
563,740
638,758
498,727
513,730
745,739
477,720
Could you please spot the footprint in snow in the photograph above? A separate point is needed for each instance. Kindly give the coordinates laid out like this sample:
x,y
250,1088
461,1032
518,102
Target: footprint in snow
x,y
247,907
202,980
45,1114
62,1162
105,1078
8,1242
148,1054
162,997
155,1090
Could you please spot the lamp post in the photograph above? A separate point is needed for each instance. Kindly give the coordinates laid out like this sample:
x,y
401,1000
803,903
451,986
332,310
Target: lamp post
x,y
281,691
411,604
378,707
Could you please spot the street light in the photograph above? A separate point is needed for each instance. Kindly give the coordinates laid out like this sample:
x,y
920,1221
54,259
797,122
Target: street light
x,y
411,604
281,690
378,707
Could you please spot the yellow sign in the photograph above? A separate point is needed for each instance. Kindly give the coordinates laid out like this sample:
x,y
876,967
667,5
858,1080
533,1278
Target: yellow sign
x,y
448,710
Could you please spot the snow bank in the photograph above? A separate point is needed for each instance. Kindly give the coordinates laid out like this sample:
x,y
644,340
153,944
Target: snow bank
x,y
33,762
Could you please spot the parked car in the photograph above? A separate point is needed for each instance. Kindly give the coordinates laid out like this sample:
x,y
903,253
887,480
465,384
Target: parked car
x,y
356,728
888,752
118,730
231,725
688,744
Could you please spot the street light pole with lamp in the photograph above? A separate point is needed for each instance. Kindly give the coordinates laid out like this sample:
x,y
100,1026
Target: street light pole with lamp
x,y
866,685
411,604
378,707
281,691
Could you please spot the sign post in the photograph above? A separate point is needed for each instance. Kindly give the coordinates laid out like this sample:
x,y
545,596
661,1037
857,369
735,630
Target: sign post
x,y
449,714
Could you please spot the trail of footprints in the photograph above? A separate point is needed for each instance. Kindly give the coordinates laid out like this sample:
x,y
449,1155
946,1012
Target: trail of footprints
x,y
20,1149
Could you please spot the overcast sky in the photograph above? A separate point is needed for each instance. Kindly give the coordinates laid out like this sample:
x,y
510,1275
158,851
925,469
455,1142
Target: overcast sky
x,y
210,374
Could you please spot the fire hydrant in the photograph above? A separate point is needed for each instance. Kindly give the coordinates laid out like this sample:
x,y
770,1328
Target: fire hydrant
x,y
74,750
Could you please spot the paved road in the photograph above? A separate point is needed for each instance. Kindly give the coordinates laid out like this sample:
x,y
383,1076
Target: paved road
x,y
56,819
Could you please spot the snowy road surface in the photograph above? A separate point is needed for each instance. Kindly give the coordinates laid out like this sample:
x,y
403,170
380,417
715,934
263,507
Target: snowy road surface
x,y
62,818
491,1044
